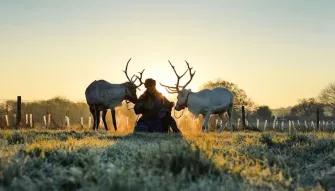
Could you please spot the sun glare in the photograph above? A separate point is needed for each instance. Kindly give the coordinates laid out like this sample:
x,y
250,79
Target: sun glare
x,y
163,90
162,76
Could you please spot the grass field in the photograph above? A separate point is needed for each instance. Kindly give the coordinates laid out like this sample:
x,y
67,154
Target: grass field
x,y
86,160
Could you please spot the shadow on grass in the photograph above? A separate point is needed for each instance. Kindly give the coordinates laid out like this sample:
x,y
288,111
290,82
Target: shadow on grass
x,y
134,162
22,137
303,158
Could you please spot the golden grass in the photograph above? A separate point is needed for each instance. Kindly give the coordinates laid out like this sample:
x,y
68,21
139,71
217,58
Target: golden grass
x,y
69,145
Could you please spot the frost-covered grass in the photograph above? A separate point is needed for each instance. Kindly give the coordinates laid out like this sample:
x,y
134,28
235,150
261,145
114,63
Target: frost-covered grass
x,y
86,160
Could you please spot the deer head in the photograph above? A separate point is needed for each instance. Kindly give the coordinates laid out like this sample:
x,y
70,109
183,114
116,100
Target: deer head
x,y
130,86
181,90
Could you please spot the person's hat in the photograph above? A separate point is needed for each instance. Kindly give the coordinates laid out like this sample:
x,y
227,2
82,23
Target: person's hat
x,y
149,82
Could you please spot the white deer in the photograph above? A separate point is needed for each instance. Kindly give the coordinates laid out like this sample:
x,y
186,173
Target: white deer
x,y
205,102
102,95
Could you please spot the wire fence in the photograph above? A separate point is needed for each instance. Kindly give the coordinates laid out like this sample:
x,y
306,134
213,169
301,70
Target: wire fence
x,y
282,125
61,114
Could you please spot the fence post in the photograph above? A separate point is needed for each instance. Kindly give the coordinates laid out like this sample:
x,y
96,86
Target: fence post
x,y
293,125
274,122
82,122
238,123
45,121
265,124
243,117
27,120
326,126
282,125
67,121
7,121
317,118
313,126
102,123
89,122
257,123
31,120
289,126
49,120
18,111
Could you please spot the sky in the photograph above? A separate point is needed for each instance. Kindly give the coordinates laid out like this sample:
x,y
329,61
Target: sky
x,y
277,51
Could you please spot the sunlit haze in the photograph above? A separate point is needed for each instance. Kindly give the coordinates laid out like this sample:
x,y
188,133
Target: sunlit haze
x,y
277,51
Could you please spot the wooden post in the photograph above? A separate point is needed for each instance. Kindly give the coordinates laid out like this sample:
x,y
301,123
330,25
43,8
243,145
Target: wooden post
x,y
293,124
31,120
257,123
243,117
6,116
317,118
82,122
326,125
323,125
67,121
313,126
238,123
89,122
274,123
289,126
49,120
265,124
18,111
45,121
27,120
7,120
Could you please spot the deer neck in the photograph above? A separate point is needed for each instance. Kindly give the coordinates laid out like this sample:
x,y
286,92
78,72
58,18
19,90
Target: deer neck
x,y
187,98
194,103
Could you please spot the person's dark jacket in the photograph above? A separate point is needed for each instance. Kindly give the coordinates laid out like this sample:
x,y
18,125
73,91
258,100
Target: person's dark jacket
x,y
151,105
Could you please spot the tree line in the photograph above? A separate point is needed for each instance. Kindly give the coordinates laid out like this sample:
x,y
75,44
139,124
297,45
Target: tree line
x,y
59,107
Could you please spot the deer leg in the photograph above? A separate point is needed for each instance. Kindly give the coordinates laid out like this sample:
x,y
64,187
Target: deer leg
x,y
92,110
104,112
205,124
114,118
97,119
173,125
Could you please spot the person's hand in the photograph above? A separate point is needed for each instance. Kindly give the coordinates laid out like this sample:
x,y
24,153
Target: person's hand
x,y
171,104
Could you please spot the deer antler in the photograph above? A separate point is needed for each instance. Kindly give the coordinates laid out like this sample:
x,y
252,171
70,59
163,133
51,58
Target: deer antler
x,y
191,74
126,72
134,77
139,78
175,89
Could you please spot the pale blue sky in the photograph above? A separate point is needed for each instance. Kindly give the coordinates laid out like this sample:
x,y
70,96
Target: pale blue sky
x,y
278,51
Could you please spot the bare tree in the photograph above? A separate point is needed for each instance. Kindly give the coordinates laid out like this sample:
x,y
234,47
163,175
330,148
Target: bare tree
x,y
327,95
306,108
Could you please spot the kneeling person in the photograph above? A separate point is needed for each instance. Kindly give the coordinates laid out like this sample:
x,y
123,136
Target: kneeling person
x,y
155,110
